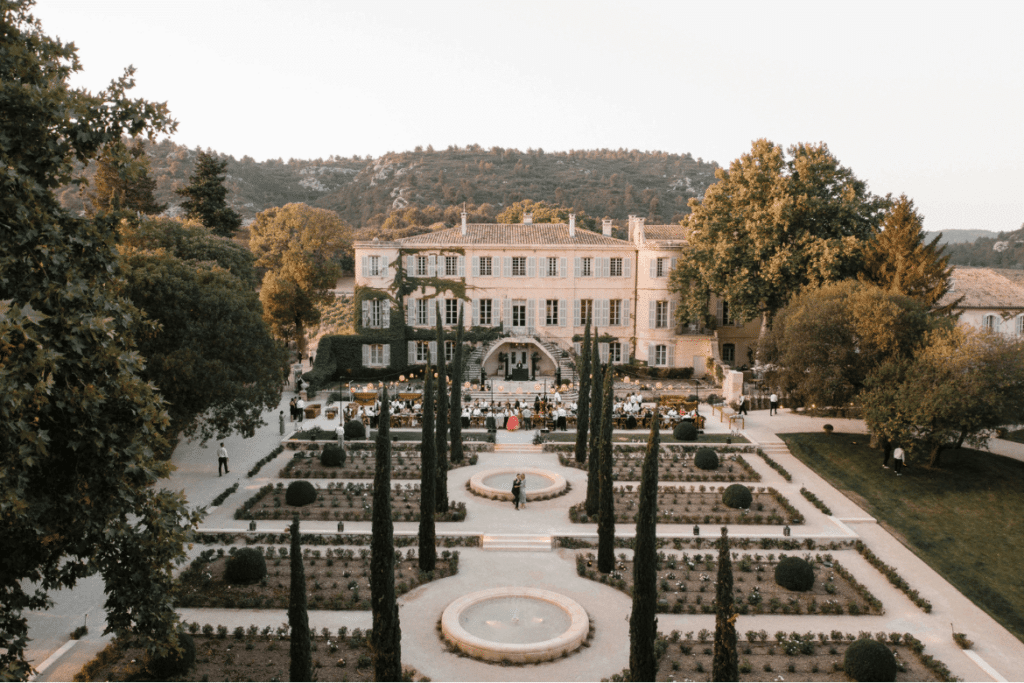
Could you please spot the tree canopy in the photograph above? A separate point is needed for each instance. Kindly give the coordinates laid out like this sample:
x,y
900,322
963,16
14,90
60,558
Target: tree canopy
x,y
771,226
78,422
544,213
301,247
122,181
206,197
828,340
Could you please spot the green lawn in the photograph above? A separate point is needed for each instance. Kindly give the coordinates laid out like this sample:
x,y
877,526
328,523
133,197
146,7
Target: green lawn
x,y
966,519
1017,435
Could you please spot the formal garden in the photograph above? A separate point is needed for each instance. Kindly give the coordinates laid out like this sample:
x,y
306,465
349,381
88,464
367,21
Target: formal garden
x,y
352,501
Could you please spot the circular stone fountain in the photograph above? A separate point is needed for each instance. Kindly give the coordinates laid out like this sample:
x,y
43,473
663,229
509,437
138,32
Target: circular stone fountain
x,y
497,484
515,624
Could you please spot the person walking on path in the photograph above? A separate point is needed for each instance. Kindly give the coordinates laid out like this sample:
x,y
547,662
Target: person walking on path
x,y
773,404
899,459
300,409
743,405
222,460
522,491
280,422
516,486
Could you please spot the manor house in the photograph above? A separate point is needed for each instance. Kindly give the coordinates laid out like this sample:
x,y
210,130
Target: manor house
x,y
538,283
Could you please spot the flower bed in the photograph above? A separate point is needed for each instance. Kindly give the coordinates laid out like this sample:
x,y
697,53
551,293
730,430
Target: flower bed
x,y
336,579
672,467
700,505
360,465
686,584
245,654
229,538
343,502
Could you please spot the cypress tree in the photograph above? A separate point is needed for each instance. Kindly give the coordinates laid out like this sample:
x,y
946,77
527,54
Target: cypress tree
x,y
456,418
386,636
596,414
606,511
583,402
428,553
441,428
298,619
725,664
643,621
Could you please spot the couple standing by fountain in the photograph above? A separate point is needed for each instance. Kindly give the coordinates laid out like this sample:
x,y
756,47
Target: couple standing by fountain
x,y
519,491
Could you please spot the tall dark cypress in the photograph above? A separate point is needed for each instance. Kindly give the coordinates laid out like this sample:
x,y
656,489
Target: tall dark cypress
x,y
386,637
441,428
298,619
643,621
583,402
456,418
725,664
428,466
606,509
596,414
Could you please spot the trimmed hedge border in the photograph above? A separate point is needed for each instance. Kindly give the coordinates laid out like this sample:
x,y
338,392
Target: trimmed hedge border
x,y
775,466
223,496
697,543
817,501
264,460
894,578
270,538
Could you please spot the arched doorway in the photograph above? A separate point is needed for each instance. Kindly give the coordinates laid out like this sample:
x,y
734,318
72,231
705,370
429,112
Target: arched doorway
x,y
519,358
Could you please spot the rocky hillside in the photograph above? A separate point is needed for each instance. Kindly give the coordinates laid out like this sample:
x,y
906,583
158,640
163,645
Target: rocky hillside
x,y
602,183
1005,250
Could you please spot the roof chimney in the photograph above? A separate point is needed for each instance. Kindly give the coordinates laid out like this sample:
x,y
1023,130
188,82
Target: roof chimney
x,y
572,225
463,222
528,218
606,227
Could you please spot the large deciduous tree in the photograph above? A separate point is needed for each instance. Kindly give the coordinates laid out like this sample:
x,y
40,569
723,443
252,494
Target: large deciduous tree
x,y
771,226
899,260
386,636
643,620
78,422
583,401
826,341
606,507
441,426
122,181
212,357
428,476
725,661
300,246
206,197
961,385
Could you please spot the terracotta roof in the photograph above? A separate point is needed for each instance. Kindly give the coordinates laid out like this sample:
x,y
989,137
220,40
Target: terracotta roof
x,y
987,288
513,234
665,232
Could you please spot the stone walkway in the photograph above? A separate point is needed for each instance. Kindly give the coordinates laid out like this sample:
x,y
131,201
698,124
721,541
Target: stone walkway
x,y
997,655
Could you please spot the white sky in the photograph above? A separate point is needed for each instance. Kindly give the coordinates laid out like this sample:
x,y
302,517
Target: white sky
x,y
922,98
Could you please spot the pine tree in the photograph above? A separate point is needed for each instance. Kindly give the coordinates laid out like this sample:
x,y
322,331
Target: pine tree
x,y
298,618
122,181
583,402
441,427
386,636
643,622
456,426
724,665
606,511
593,497
428,467
206,196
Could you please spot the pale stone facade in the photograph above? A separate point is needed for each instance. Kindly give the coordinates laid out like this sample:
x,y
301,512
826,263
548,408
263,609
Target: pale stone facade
x,y
989,298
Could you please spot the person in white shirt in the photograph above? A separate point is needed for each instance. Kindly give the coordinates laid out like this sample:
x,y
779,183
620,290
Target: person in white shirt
x,y
527,418
561,418
300,406
773,404
899,459
222,460
557,398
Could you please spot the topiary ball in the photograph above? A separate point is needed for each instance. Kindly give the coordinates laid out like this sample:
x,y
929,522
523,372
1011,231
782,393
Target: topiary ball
x,y
737,496
869,660
245,566
794,573
333,455
175,663
355,429
706,459
300,493
685,431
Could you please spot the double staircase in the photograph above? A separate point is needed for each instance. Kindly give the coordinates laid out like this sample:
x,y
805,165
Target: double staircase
x,y
518,390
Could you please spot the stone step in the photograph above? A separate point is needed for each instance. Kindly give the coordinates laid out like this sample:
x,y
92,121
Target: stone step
x,y
518,448
516,542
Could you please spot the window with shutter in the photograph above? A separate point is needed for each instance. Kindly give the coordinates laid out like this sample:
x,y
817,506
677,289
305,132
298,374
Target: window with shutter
x,y
385,314
577,266
366,312
366,355
432,266
476,312
431,312
625,312
562,267
602,351
385,271
531,267
475,266
462,266
366,266
563,312
507,266
577,320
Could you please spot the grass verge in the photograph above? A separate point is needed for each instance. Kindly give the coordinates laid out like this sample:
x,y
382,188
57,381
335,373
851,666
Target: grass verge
x,y
965,519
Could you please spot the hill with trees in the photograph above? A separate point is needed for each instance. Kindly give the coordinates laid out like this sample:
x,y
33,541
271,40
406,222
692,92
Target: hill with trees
x,y
1004,250
420,185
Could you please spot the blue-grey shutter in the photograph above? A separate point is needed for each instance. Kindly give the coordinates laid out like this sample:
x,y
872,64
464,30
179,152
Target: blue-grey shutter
x,y
411,353
476,266
506,314
431,313
627,267
386,271
531,266
576,314
650,353
386,314
410,266
603,312
603,266
432,266
476,312
654,267
462,266
410,311
366,266
602,351
625,312
562,269
563,312
671,315
531,312
366,312
625,352
508,266
671,265
577,266
670,355
654,315
433,352
366,355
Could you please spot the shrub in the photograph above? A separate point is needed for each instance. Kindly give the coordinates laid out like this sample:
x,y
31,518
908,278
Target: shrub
x,y
828,428
175,663
706,459
355,429
737,496
333,455
245,566
685,431
794,573
300,493
869,660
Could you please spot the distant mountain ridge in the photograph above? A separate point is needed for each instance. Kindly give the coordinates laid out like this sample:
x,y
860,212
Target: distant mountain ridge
x,y
958,236
603,183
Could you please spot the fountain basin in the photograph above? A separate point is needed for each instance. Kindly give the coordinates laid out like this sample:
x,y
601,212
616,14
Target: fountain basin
x,y
517,624
497,484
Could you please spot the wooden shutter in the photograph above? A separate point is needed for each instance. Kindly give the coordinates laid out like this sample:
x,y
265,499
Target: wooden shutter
x,y
627,267
386,271
531,312
366,355
603,312
576,313
577,266
652,323
650,354
366,266
476,312
506,314
386,314
411,351
624,312
563,312
602,351
410,266
366,312
433,352
625,352
562,269
670,355
432,266
476,266
531,266
671,315
671,265
654,267
462,266
410,311
431,317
